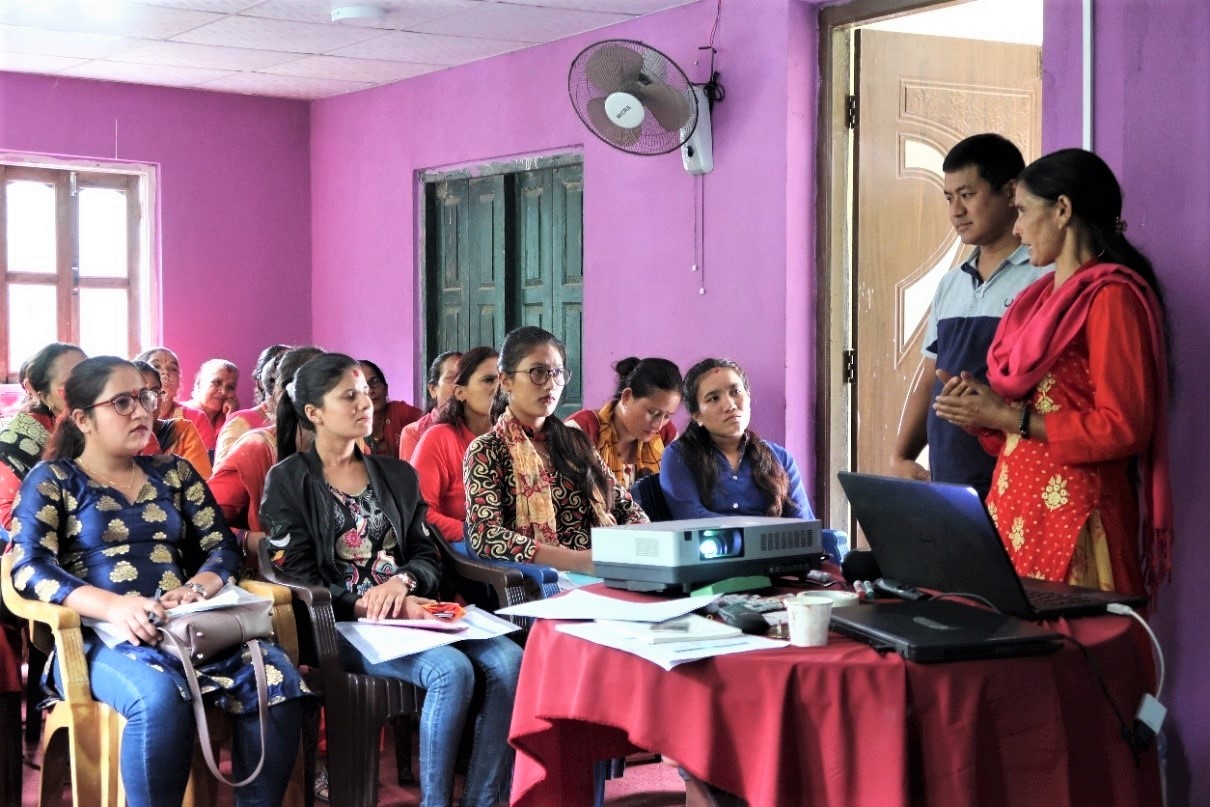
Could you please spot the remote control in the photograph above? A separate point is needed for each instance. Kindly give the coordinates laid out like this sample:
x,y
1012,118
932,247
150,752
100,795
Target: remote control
x,y
741,616
897,589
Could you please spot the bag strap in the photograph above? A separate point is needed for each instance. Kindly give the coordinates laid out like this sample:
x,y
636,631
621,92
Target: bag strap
x,y
199,708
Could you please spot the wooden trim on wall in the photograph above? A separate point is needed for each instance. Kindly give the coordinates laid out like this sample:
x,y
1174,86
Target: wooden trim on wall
x,y
834,237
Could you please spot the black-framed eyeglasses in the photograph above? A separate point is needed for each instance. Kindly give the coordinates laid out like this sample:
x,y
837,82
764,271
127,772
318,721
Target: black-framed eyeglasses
x,y
540,373
123,403
375,382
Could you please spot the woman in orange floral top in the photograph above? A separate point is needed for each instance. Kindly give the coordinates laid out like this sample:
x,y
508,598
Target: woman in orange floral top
x,y
1076,406
534,487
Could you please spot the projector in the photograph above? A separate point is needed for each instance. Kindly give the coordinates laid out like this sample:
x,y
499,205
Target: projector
x,y
680,555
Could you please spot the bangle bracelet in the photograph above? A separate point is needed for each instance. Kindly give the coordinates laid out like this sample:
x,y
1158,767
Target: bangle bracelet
x,y
1023,428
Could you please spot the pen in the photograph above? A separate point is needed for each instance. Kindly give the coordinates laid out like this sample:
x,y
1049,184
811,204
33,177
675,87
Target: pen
x,y
152,616
710,646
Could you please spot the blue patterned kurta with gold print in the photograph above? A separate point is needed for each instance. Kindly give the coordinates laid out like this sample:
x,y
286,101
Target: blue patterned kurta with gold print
x,y
71,531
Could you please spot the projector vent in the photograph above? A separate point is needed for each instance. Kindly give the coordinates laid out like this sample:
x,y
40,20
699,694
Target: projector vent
x,y
785,539
647,547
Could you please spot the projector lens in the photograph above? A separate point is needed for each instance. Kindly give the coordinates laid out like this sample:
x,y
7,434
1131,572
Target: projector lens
x,y
720,543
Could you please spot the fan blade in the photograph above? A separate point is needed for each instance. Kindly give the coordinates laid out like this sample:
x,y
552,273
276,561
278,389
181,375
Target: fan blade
x,y
670,108
606,129
612,66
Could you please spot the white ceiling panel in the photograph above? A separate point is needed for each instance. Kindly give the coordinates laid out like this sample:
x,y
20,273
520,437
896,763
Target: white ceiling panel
x,y
16,39
32,63
633,7
400,14
280,35
284,86
371,71
112,17
287,48
405,46
146,74
518,23
186,54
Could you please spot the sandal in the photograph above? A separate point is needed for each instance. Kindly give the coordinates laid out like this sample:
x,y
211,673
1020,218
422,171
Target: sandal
x,y
321,784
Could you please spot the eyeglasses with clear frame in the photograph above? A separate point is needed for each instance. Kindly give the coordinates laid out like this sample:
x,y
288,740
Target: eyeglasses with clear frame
x,y
540,373
124,402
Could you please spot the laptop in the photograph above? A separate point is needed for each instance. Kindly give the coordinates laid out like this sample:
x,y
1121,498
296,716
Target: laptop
x,y
943,630
939,536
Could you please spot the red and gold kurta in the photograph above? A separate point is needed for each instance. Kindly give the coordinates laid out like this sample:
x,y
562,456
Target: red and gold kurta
x,y
1067,509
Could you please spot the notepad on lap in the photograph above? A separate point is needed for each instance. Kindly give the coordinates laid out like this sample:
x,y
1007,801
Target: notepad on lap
x,y
689,628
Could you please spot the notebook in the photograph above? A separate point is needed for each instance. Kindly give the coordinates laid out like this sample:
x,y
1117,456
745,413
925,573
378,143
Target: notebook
x,y
939,536
943,630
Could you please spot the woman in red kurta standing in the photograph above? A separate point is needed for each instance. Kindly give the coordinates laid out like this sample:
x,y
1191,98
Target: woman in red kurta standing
x,y
1076,406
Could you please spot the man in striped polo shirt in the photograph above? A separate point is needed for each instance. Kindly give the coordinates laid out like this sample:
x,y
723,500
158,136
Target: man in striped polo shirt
x,y
980,176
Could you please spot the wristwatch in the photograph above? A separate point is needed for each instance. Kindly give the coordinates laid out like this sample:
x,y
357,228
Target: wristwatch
x,y
409,582
198,589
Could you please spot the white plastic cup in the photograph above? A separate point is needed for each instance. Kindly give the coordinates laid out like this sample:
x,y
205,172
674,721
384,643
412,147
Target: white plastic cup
x,y
808,616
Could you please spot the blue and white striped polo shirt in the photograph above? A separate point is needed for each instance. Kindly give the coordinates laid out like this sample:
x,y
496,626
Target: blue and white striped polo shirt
x,y
965,314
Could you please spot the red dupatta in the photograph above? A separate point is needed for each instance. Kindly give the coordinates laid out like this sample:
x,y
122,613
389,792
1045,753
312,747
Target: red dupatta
x,y
1032,335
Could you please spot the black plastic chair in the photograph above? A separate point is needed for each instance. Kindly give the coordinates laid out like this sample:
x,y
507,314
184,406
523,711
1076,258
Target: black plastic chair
x,y
647,492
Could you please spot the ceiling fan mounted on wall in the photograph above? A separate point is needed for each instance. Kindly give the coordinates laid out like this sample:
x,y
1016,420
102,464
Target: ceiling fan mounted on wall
x,y
639,101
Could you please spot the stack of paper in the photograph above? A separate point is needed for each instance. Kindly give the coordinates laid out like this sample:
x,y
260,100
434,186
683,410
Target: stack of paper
x,y
691,628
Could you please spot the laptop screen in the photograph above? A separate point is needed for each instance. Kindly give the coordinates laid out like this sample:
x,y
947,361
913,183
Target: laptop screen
x,y
936,536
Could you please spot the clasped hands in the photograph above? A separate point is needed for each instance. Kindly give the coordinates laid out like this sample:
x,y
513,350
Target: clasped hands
x,y
391,600
971,404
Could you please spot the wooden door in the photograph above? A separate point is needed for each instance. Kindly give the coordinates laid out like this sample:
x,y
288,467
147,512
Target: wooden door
x,y
550,262
467,277
917,96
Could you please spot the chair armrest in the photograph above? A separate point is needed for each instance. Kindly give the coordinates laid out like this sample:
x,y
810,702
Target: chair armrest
x,y
509,586
318,602
285,630
64,626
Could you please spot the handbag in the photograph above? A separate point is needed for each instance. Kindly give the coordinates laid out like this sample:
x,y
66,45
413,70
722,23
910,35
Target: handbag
x,y
202,635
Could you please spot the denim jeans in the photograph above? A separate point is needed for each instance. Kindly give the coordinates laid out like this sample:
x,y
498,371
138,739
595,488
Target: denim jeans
x,y
160,723
448,675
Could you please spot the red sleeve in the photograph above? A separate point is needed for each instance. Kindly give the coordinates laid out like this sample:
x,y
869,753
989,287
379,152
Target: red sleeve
x,y
586,419
436,458
1122,367
10,486
668,433
230,493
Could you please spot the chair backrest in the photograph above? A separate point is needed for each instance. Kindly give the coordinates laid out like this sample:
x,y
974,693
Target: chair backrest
x,y
650,496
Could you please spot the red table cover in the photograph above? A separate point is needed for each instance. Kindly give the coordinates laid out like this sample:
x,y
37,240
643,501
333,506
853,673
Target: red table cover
x,y
842,724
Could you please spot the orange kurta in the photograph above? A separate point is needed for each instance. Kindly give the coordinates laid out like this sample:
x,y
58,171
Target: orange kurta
x,y
1098,405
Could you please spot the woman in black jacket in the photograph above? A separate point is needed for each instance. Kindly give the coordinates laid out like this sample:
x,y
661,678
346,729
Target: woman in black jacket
x,y
355,523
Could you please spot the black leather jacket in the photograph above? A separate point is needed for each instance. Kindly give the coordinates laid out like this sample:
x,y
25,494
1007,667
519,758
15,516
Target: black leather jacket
x,y
297,515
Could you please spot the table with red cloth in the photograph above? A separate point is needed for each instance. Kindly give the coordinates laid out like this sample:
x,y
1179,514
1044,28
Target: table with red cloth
x,y
843,724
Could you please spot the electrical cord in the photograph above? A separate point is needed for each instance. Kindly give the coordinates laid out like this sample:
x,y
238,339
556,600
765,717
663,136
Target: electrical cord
x,y
1125,610
969,596
1124,728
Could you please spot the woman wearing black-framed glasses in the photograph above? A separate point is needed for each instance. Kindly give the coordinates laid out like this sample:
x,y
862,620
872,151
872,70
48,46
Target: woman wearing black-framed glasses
x,y
534,487
121,538
174,435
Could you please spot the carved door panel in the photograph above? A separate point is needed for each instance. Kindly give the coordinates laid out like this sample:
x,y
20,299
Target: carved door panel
x,y
917,96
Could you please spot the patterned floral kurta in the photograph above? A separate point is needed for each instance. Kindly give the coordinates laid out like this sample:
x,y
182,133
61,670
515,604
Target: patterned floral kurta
x,y
71,531
491,505
1067,508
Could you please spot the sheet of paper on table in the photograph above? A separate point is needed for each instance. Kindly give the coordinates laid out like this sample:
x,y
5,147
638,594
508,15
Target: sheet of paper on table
x,y
380,643
580,604
671,654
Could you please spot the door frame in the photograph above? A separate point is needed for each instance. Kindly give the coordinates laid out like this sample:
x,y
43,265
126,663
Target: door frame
x,y
424,176
835,441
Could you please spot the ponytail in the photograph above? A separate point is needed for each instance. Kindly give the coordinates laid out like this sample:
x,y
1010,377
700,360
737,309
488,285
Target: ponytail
x,y
286,419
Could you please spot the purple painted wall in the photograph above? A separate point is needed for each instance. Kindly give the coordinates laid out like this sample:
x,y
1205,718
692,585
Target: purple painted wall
x,y
235,237
638,211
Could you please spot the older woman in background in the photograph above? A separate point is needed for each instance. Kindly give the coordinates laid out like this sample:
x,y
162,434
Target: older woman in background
x,y
439,388
260,415
389,416
213,399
